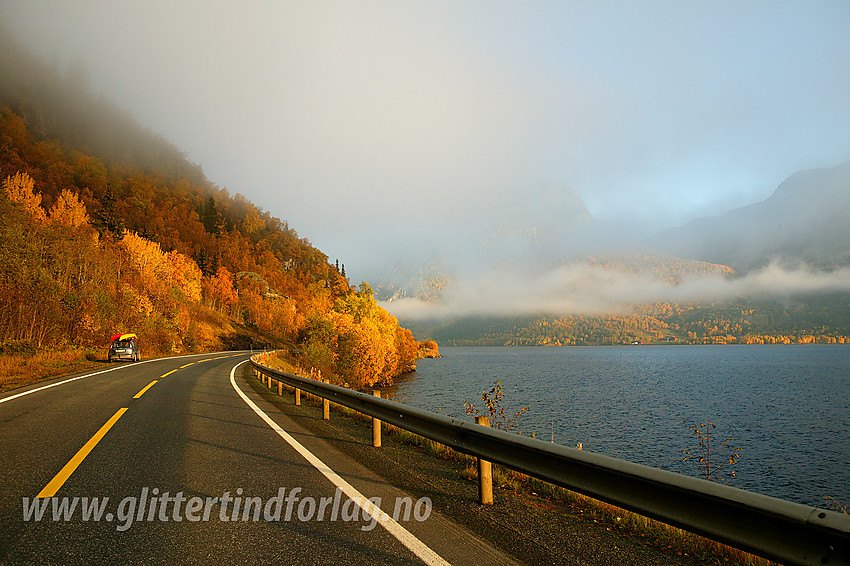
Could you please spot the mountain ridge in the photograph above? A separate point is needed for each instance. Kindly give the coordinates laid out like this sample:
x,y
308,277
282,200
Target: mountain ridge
x,y
795,234
803,221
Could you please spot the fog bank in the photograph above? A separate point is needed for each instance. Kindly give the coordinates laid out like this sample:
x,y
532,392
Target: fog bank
x,y
586,289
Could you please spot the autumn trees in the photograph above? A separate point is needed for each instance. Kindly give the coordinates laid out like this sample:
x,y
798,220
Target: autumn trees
x,y
65,283
89,248
817,319
108,227
359,341
20,190
46,264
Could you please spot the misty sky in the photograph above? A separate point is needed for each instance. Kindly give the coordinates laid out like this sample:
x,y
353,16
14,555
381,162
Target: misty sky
x,y
369,125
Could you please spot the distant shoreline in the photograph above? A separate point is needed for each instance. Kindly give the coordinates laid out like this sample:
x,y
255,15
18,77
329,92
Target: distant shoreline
x,y
454,345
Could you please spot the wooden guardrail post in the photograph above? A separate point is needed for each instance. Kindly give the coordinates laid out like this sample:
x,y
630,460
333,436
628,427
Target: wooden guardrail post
x,y
782,531
485,472
326,406
279,388
376,425
297,396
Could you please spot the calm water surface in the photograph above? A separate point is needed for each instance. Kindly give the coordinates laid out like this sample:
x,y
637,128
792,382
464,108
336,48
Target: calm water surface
x,y
787,407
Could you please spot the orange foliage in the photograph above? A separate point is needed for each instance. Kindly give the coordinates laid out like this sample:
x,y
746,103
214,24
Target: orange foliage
x,y
220,291
360,341
164,261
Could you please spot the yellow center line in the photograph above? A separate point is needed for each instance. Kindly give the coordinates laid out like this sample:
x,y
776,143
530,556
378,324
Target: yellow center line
x,y
51,488
187,365
142,392
167,374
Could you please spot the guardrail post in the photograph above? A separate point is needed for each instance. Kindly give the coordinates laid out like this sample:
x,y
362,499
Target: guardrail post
x,y
783,531
485,472
297,396
326,406
279,388
376,426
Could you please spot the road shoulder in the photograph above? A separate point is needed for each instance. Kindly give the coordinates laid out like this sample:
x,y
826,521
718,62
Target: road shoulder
x,y
532,529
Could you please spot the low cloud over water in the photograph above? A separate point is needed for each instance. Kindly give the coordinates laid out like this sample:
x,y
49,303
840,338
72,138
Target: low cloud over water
x,y
584,288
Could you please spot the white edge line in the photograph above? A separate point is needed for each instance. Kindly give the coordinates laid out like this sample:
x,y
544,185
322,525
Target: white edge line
x,y
93,374
419,548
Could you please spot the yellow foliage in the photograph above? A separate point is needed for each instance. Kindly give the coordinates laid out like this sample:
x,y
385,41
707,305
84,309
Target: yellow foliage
x,y
72,286
160,272
369,347
146,257
69,210
144,305
20,189
185,275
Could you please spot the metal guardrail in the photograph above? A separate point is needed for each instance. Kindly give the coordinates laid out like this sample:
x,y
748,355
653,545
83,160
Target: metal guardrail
x,y
790,533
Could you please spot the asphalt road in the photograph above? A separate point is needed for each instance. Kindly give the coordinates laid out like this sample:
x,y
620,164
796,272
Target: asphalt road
x,y
197,469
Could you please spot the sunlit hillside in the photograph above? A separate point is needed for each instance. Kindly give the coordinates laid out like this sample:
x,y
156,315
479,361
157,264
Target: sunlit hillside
x,y
108,228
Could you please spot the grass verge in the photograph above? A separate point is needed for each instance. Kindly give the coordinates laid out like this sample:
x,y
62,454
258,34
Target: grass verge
x,y
21,369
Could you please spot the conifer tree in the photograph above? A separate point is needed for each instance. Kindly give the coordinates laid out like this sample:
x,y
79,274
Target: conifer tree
x,y
211,217
107,219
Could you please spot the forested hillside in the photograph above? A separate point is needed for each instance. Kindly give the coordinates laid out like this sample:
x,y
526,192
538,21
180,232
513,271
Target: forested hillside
x,y
823,319
108,228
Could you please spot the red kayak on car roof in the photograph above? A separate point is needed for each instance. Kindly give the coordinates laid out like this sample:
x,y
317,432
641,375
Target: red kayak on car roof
x,y
124,347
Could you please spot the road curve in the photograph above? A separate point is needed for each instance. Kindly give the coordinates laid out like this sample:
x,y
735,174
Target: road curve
x,y
196,469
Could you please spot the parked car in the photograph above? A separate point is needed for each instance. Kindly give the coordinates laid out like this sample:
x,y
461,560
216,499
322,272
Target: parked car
x,y
124,347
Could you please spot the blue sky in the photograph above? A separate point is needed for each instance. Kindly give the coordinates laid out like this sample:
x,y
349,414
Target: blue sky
x,y
374,126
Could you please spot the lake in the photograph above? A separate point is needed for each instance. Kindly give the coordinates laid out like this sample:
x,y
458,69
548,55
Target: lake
x,y
786,407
